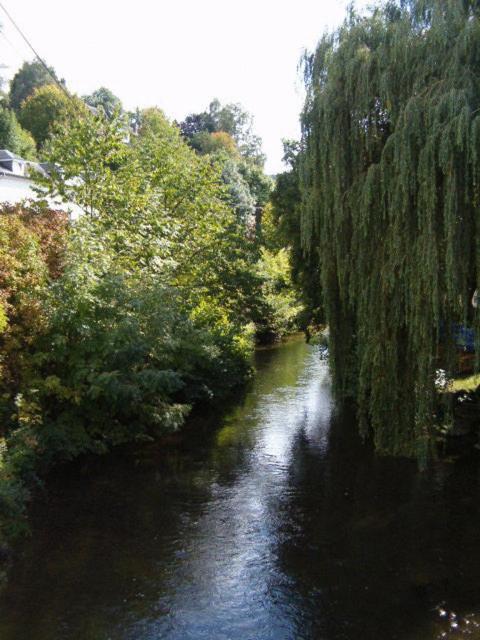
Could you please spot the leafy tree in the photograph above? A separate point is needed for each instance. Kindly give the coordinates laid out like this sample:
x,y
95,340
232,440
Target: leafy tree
x,y
46,108
105,99
90,165
282,227
32,243
31,76
389,188
280,305
260,186
214,143
158,205
13,137
197,123
225,133
145,313
241,197
231,119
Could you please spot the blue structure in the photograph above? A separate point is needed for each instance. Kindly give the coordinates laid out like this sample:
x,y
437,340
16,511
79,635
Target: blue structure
x,y
464,338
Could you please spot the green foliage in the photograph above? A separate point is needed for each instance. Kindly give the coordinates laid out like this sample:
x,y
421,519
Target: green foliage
x,y
46,108
281,227
90,165
31,249
106,352
259,183
281,306
14,138
116,325
225,134
105,99
241,198
213,143
231,119
154,203
113,335
3,318
31,76
389,184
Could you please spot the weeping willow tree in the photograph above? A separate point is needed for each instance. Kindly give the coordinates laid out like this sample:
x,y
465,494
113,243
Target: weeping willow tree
x,y
390,184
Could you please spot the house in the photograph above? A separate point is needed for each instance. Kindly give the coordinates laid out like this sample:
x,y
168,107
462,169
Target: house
x,y
17,182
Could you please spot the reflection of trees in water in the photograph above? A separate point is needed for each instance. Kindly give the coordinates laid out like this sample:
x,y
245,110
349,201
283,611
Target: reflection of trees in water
x,y
373,545
124,534
276,369
103,553
274,513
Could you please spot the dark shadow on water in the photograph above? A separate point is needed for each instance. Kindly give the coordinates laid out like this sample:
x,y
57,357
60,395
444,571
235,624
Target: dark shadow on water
x,y
378,549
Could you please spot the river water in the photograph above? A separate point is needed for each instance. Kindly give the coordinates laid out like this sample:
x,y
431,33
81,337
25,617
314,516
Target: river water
x,y
272,523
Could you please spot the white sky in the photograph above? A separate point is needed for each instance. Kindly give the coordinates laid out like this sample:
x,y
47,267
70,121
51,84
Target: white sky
x,y
179,54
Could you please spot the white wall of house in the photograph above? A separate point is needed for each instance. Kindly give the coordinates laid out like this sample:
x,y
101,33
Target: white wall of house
x,y
14,190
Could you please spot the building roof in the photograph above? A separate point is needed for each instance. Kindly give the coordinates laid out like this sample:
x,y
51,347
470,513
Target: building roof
x,y
5,154
22,188
16,167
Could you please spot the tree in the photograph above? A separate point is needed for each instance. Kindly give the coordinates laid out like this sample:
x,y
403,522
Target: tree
x,y
225,133
31,76
158,206
230,118
14,138
89,160
142,312
241,198
286,220
104,98
46,108
389,182
32,243
197,123
213,143
260,186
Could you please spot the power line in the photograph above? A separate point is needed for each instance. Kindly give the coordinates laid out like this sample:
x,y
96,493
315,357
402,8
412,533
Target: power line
x,y
42,62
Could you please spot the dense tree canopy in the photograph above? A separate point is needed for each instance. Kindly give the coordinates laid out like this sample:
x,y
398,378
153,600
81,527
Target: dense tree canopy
x,y
44,109
114,325
147,312
104,98
285,216
31,76
231,119
390,194
13,137
225,134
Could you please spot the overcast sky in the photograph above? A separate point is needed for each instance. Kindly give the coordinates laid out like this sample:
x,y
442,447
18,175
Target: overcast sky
x,y
179,54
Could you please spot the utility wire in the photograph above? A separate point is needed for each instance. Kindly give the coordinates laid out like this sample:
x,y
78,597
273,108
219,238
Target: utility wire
x,y
42,62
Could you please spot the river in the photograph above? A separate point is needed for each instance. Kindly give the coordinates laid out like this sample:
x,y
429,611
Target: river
x,y
273,523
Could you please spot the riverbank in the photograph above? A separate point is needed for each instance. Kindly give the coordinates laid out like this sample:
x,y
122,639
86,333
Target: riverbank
x,y
25,497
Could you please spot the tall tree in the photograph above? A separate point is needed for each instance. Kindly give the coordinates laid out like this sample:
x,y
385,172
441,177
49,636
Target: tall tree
x,y
46,107
106,99
230,118
29,77
286,207
390,190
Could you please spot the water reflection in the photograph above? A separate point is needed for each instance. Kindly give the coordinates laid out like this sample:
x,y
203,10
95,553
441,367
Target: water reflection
x,y
276,524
